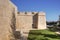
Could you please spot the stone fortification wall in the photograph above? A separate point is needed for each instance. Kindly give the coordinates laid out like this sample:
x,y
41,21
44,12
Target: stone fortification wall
x,y
31,20
41,20
6,10
24,20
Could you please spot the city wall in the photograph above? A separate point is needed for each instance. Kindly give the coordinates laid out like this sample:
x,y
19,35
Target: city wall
x,y
31,20
6,10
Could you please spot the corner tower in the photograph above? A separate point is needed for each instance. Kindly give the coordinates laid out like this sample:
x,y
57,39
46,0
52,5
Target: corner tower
x,y
41,20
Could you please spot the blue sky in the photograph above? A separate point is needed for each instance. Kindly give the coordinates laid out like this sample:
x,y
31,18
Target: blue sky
x,y
50,7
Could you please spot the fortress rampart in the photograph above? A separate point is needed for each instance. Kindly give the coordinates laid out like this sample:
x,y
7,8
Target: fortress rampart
x,y
11,20
31,18
30,13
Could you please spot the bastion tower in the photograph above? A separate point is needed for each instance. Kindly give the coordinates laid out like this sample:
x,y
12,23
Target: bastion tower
x,y
31,20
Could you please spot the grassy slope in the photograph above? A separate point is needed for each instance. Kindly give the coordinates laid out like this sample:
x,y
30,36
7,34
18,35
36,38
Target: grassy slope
x,y
43,35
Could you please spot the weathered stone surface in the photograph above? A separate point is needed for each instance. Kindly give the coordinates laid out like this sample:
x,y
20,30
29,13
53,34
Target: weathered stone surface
x,y
25,21
41,20
31,20
6,10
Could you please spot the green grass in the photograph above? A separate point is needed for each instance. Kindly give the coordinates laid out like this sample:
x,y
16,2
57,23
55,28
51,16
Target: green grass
x,y
43,35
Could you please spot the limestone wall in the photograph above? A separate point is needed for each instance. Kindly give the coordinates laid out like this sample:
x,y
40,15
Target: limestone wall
x,y
41,20
6,10
24,20
31,20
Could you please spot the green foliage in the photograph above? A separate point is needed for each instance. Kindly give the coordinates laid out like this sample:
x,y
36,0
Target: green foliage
x,y
43,35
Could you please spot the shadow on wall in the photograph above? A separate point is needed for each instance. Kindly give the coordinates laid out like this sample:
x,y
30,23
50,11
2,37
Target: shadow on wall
x,y
14,34
35,21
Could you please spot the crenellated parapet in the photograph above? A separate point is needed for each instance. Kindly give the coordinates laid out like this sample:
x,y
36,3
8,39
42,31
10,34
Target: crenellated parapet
x,y
26,13
41,13
30,13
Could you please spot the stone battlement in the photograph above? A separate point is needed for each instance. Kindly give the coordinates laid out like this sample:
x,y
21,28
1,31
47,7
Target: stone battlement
x,y
31,13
